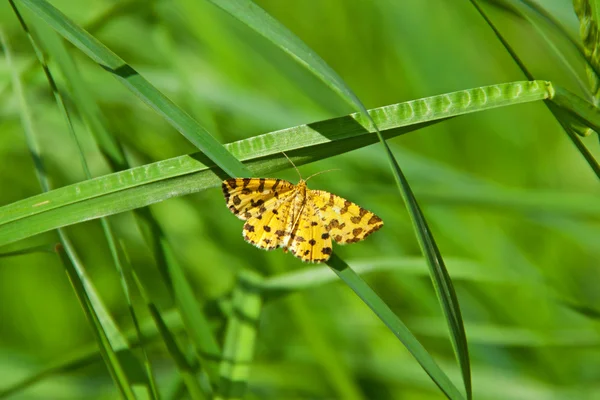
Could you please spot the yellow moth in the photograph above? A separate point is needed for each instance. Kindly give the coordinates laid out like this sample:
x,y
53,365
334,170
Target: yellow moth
x,y
279,214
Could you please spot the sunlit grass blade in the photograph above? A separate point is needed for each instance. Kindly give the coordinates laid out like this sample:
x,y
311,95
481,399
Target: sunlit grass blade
x,y
138,85
155,182
390,319
240,338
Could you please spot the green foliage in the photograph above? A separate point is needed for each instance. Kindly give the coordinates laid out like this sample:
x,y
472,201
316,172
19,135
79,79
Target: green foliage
x,y
176,305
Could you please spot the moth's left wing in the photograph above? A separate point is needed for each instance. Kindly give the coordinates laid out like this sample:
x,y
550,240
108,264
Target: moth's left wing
x,y
250,197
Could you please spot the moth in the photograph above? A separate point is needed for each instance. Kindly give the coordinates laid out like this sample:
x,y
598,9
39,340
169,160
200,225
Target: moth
x,y
279,214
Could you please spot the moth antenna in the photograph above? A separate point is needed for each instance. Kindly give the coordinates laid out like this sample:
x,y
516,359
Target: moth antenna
x,y
294,165
322,172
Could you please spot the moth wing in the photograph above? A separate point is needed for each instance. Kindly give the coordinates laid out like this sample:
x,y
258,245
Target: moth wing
x,y
346,222
250,197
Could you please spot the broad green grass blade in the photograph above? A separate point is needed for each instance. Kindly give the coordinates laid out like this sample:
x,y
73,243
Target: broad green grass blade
x,y
390,319
155,182
138,85
185,367
240,338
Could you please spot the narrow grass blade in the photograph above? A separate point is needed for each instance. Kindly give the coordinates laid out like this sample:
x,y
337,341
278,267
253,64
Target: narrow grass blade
x,y
387,316
109,354
25,114
185,367
87,107
127,282
44,248
198,326
122,365
138,85
149,386
90,355
440,278
141,186
240,338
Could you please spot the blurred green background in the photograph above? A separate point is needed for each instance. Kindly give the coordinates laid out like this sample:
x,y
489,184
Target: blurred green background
x,y
512,204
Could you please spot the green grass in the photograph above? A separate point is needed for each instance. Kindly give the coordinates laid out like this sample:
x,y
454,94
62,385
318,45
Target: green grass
x,y
176,305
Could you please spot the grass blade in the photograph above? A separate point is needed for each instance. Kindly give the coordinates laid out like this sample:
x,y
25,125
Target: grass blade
x,y
185,367
206,347
440,278
196,322
110,356
120,361
141,186
386,315
43,248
